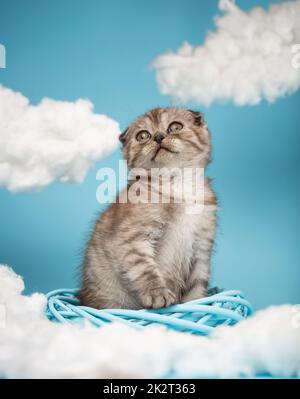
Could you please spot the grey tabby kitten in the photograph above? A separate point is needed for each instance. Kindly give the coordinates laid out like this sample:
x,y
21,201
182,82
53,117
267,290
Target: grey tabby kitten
x,y
154,255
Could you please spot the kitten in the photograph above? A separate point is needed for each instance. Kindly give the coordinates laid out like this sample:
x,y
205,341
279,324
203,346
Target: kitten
x,y
152,255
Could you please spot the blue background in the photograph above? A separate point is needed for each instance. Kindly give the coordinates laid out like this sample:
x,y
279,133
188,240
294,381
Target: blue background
x,y
102,49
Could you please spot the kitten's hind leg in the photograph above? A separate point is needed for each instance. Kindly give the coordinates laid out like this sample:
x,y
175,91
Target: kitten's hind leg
x,y
197,284
196,292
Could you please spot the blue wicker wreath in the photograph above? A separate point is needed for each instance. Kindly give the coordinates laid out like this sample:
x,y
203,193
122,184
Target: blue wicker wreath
x,y
199,316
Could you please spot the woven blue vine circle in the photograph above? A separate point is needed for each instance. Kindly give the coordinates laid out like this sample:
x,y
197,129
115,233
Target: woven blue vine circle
x,y
200,316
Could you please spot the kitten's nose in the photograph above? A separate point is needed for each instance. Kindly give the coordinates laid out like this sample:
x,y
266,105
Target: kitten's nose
x,y
159,138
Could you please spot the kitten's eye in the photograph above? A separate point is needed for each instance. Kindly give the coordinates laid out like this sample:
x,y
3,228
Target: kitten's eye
x,y
143,135
175,127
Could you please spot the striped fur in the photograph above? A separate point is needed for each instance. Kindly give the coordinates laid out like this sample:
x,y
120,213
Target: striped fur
x,y
154,255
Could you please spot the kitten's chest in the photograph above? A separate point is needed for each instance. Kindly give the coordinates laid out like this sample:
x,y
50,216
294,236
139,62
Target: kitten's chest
x,y
183,230
178,244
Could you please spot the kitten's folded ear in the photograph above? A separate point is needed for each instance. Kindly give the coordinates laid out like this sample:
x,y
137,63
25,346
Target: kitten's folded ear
x,y
122,136
198,117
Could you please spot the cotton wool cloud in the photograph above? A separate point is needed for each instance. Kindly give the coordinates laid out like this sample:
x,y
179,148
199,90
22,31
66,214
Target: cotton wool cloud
x,y
31,346
247,58
51,141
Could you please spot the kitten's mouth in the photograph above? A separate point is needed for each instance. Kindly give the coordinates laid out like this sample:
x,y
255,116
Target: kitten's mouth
x,y
162,147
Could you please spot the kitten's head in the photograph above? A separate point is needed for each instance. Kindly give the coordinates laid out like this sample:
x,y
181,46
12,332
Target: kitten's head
x,y
167,137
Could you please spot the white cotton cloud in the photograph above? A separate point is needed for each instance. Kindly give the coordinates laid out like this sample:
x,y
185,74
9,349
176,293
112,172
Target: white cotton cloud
x,y
249,57
51,141
31,346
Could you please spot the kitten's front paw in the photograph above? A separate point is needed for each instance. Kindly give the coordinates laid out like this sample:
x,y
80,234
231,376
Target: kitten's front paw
x,y
158,298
